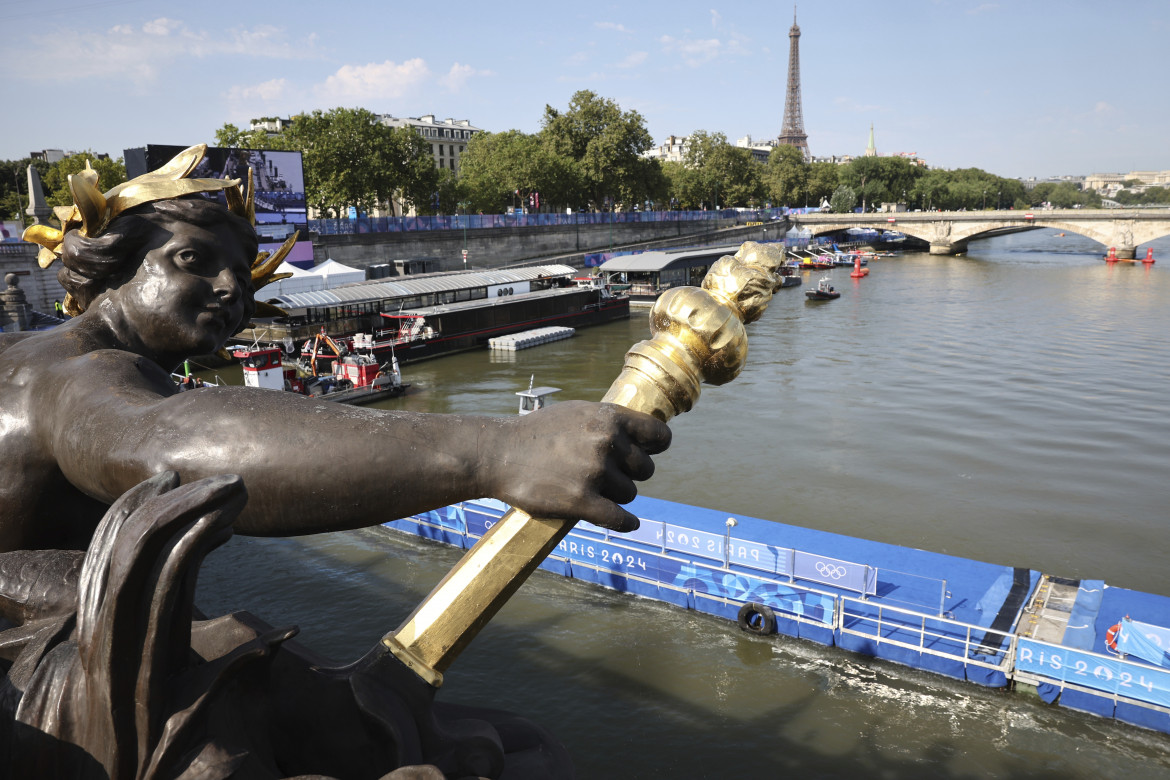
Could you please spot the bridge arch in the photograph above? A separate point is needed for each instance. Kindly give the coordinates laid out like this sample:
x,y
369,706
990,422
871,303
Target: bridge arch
x,y
950,232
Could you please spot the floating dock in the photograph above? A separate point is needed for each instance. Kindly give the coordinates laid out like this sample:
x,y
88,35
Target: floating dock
x,y
989,624
530,338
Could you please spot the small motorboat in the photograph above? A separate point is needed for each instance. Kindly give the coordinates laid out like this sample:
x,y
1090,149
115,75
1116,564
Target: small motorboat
x,y
824,291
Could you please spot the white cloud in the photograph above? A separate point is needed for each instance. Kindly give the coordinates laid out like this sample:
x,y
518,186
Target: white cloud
x,y
376,81
137,54
458,76
633,59
161,26
1102,108
615,26
715,18
984,8
266,41
848,104
268,91
693,52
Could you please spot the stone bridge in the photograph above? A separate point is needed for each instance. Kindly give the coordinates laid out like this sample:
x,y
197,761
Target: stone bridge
x,y
948,232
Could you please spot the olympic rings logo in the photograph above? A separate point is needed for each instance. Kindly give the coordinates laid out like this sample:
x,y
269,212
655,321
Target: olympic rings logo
x,y
830,570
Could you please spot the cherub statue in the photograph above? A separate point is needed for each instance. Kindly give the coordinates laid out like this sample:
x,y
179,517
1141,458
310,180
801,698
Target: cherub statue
x,y
156,273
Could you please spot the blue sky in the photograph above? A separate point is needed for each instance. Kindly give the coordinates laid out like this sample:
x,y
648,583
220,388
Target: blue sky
x,y
1017,88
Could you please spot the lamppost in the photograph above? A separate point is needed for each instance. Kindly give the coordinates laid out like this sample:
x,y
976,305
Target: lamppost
x,y
463,207
998,200
731,522
611,207
985,200
19,210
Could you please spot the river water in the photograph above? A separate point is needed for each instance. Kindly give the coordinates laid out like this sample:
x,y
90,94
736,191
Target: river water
x,y
1008,406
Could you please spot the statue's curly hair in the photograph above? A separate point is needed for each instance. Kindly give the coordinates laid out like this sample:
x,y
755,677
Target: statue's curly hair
x,y
90,266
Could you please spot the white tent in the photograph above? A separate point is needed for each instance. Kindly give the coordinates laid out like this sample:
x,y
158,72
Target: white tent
x,y
300,281
335,273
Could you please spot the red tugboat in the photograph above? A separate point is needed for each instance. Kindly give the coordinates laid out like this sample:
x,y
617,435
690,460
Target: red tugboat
x,y
355,377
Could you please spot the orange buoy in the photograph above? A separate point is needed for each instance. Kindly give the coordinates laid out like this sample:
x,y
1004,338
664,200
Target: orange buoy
x,y
858,271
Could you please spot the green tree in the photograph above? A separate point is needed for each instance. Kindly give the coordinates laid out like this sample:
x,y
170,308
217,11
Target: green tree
x,y
822,182
352,159
497,169
881,179
415,179
966,188
844,200
719,174
678,185
930,191
1066,195
604,145
1149,196
786,176
447,188
232,137
14,186
344,153
56,180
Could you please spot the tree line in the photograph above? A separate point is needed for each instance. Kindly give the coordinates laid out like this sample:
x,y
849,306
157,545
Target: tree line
x,y
587,156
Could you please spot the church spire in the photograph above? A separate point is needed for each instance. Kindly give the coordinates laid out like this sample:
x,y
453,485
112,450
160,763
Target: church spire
x,y
871,150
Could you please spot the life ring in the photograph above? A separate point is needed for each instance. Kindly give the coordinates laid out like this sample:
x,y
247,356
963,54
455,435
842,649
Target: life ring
x,y
1111,637
757,619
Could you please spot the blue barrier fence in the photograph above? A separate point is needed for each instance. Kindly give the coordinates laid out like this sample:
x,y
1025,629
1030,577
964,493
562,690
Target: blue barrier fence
x,y
478,221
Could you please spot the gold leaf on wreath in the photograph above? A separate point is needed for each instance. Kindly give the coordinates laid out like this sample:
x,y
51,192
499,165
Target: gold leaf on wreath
x,y
92,212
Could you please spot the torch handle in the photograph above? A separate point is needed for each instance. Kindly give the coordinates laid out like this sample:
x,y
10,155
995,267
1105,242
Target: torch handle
x,y
698,337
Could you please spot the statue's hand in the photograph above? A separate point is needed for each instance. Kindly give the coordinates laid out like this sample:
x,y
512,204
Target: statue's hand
x,y
574,460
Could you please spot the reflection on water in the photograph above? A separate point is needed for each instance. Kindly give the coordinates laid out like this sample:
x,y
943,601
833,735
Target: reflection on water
x,y
1006,406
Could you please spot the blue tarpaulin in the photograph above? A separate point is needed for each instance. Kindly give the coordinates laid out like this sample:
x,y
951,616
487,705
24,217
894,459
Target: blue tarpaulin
x,y
1144,641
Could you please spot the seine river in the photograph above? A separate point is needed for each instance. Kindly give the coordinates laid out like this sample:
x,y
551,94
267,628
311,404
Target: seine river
x,y
1010,406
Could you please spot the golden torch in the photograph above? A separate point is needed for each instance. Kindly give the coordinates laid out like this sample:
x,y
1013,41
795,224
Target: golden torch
x,y
699,336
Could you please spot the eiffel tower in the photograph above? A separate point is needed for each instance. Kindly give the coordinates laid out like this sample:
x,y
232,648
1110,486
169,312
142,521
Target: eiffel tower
x,y
793,133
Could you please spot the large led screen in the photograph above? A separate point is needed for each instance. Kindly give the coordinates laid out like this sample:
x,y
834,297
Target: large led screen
x,y
279,178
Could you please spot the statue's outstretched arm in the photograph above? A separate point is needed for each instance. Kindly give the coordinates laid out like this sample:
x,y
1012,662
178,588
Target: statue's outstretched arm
x,y
312,466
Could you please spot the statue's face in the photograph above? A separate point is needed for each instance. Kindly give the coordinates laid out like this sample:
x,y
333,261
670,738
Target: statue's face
x,y
188,294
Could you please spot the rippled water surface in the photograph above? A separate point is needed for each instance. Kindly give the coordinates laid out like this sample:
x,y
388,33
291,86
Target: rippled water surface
x,y
1008,406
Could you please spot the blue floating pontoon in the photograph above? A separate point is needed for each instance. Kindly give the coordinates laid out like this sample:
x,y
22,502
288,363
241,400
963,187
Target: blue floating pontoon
x,y
984,623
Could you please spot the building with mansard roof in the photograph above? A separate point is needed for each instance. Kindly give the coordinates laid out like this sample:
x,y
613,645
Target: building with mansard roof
x,y
447,138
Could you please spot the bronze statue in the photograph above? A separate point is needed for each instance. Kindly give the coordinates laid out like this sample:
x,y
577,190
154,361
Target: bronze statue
x,y
109,677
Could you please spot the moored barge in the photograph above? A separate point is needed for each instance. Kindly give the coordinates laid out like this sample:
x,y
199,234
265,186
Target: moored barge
x,y
1077,643
438,314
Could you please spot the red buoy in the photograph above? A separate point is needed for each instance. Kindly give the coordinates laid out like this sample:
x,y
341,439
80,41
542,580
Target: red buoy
x,y
1112,256
858,271
1149,256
